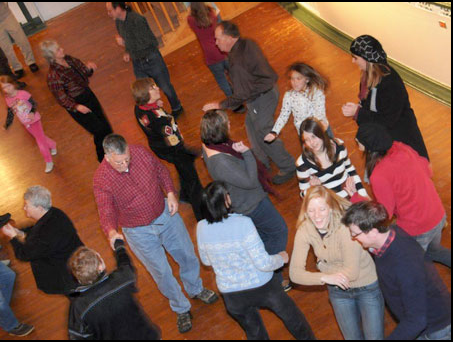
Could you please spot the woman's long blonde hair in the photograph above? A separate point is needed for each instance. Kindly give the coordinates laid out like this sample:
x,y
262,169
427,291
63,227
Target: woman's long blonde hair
x,y
375,72
337,204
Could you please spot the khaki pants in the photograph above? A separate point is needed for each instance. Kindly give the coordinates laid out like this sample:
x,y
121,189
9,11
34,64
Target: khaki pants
x,y
12,27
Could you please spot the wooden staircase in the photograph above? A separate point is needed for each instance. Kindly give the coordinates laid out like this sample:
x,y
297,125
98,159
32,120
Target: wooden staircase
x,y
168,20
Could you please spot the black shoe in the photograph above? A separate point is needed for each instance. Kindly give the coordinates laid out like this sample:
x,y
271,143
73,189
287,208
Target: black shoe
x,y
4,219
21,85
184,322
240,109
19,73
21,330
176,113
33,67
282,178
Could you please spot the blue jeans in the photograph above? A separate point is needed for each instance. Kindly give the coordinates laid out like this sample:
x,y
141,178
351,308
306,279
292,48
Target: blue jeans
x,y
218,70
149,244
430,242
8,320
440,335
359,305
271,228
154,66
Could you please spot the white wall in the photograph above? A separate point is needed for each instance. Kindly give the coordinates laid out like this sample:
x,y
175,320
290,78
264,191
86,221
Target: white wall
x,y
14,7
49,10
409,35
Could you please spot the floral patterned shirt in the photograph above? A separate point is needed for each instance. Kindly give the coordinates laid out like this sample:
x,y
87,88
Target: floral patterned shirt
x,y
302,106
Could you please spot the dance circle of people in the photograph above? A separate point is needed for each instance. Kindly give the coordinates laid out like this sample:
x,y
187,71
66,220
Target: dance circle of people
x,y
364,260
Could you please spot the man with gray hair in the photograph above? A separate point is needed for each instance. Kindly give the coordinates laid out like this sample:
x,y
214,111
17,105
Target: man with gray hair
x,y
134,190
255,83
48,244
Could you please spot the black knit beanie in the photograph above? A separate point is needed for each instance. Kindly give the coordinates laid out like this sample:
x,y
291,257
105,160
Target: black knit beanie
x,y
374,137
369,49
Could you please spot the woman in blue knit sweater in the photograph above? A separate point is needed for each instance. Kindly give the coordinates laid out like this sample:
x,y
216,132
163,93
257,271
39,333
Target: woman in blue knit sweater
x,y
244,270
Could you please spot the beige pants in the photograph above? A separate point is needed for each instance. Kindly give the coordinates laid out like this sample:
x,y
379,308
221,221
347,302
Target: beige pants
x,y
12,27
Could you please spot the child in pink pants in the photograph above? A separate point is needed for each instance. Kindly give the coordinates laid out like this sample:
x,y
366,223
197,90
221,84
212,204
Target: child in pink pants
x,y
21,104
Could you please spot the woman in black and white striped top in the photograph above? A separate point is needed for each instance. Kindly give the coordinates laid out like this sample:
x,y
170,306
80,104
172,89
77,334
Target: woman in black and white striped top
x,y
324,161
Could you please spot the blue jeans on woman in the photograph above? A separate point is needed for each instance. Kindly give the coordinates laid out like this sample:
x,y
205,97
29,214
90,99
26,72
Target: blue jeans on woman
x,y
8,320
149,243
360,305
271,228
430,242
218,70
154,66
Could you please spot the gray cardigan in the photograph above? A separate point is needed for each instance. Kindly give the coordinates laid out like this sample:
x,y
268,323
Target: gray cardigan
x,y
240,177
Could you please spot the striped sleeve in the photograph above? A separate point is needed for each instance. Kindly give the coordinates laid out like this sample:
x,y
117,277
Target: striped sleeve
x,y
304,171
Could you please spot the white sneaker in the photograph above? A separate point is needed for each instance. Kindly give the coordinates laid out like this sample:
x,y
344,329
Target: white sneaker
x,y
53,152
49,167
6,262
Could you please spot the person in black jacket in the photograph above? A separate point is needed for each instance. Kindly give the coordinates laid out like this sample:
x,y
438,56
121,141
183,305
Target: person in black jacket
x,y
116,316
383,98
166,141
48,244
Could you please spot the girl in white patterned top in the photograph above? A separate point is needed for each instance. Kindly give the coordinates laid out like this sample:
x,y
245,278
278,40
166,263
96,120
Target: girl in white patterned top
x,y
305,99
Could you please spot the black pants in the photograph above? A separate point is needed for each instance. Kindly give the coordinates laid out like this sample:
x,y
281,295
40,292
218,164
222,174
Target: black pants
x,y
191,188
4,66
95,122
244,305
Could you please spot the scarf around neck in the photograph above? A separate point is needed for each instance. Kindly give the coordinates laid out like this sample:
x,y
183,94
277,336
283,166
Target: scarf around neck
x,y
263,175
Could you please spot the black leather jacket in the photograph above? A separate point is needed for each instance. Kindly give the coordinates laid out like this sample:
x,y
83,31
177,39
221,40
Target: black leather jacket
x,y
107,309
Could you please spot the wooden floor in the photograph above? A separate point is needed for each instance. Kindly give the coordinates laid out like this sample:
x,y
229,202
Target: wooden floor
x,y
88,33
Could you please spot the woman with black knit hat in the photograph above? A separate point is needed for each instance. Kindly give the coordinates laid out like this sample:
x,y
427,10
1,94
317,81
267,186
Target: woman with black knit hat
x,y
401,181
383,97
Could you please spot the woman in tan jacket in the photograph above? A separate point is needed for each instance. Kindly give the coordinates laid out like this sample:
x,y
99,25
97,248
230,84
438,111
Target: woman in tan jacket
x,y
344,266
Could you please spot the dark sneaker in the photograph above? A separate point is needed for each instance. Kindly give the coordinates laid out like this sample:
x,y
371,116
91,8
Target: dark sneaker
x,y
184,321
19,73
286,285
33,67
176,113
240,109
282,178
22,330
207,296
21,85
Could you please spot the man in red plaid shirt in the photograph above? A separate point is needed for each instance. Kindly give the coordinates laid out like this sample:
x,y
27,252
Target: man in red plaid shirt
x,y
130,186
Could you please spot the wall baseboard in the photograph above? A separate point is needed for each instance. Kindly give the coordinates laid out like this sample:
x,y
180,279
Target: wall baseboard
x,y
420,82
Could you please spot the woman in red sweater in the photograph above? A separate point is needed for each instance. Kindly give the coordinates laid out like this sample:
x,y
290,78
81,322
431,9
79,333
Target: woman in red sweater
x,y
202,20
401,181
